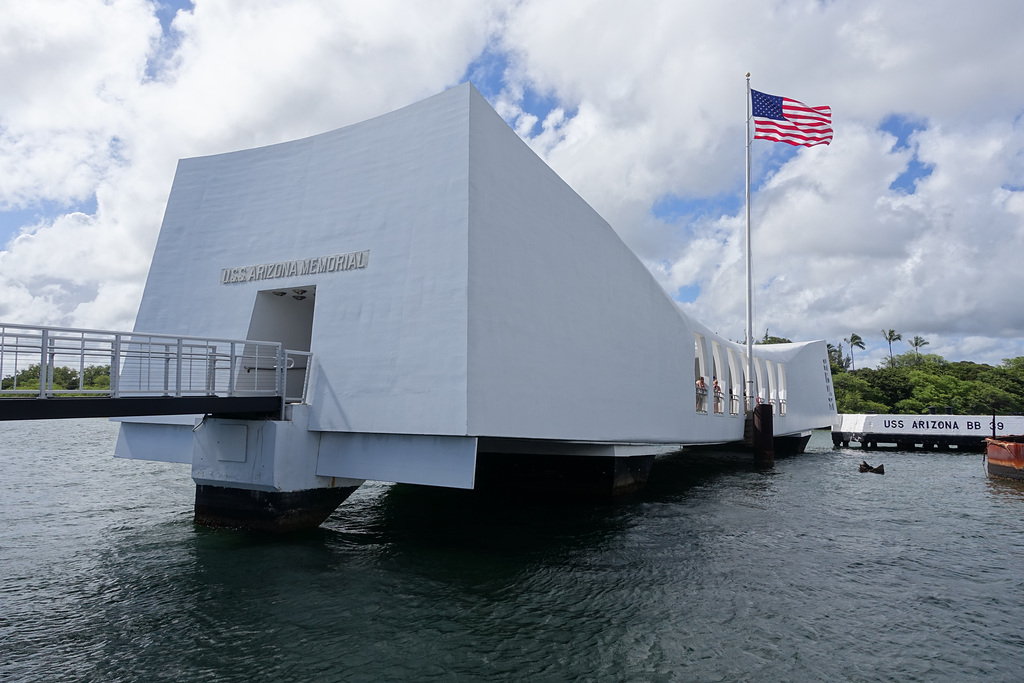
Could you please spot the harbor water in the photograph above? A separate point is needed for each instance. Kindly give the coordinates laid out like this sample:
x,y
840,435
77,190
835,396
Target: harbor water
x,y
719,571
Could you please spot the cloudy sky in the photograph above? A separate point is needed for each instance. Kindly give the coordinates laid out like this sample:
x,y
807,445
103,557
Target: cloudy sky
x,y
913,219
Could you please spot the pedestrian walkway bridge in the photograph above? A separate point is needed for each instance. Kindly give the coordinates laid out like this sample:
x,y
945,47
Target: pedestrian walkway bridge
x,y
149,374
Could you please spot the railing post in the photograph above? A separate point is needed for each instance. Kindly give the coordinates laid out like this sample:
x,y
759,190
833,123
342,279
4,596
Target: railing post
x,y
305,375
81,362
282,357
231,371
44,342
282,377
115,367
211,369
167,370
177,374
282,373
51,369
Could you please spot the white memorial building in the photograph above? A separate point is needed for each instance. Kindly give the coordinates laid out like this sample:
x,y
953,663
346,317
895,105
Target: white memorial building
x,y
471,322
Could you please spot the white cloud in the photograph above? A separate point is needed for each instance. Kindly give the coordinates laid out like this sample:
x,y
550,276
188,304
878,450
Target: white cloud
x,y
658,91
649,103
98,106
68,67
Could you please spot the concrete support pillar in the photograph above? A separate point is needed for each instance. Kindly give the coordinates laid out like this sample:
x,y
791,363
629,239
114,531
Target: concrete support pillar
x,y
261,475
267,511
764,438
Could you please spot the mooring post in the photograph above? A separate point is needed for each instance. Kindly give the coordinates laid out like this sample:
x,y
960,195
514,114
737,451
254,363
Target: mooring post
x,y
764,439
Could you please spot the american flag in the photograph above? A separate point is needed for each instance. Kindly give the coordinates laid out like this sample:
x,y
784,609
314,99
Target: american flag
x,y
784,120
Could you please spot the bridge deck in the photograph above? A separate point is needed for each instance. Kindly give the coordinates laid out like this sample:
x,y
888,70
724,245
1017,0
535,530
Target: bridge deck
x,y
149,374
242,407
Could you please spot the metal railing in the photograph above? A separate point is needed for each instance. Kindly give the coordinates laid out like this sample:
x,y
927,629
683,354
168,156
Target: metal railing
x,y
143,364
719,402
778,405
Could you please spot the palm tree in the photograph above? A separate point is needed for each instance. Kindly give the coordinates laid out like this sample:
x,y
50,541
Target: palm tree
x,y
891,336
917,342
854,341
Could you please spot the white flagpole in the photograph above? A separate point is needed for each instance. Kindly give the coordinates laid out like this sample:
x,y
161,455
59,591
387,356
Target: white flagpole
x,y
749,407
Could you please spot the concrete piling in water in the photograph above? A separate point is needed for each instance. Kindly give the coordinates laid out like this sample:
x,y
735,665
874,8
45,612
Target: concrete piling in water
x,y
764,440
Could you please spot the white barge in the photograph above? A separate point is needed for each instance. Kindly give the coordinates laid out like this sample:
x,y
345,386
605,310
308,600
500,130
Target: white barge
x,y
470,322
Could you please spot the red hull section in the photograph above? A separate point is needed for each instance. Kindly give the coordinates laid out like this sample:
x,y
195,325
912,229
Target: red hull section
x,y
1005,457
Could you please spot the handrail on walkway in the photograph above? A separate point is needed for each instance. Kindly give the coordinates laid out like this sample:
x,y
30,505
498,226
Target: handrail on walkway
x,y
144,364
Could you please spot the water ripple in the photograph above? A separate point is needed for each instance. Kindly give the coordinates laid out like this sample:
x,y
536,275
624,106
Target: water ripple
x,y
718,572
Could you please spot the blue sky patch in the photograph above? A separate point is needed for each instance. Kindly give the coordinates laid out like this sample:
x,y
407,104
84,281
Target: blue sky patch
x,y
687,293
906,182
764,166
11,222
170,41
673,209
487,73
903,127
540,106
166,9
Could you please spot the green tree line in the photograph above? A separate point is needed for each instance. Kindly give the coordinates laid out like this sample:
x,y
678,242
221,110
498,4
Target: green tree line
x,y
910,383
94,377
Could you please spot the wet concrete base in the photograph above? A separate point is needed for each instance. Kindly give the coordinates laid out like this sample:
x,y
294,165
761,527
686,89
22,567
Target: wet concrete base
x,y
569,477
268,511
791,445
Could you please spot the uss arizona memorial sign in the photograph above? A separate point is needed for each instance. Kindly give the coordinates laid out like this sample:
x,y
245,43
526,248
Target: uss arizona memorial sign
x,y
318,264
